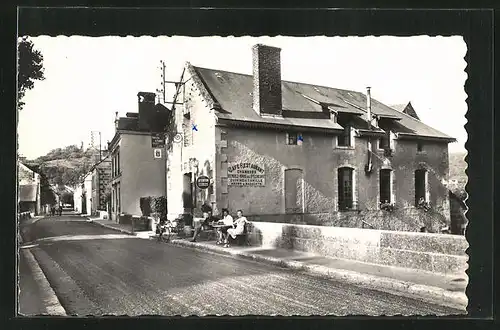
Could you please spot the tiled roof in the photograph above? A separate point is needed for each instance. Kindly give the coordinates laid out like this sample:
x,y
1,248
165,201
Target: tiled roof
x,y
27,192
233,92
399,107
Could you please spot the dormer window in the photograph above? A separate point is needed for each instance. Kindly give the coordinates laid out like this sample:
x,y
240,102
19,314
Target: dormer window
x,y
383,142
345,139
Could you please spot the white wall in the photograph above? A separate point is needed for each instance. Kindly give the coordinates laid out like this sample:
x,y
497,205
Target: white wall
x,y
142,174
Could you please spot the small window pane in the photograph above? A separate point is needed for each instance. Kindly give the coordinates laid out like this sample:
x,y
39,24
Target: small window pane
x,y
292,138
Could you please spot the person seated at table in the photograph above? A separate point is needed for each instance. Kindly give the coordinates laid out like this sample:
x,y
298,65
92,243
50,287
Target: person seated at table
x,y
238,227
227,221
209,218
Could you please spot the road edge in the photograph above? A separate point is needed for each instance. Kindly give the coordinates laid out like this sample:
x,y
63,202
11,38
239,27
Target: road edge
x,y
52,304
435,295
111,227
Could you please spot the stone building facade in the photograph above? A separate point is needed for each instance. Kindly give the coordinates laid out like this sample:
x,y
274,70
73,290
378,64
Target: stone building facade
x,y
299,153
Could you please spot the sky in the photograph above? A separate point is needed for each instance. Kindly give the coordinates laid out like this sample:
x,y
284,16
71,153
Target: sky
x,y
88,79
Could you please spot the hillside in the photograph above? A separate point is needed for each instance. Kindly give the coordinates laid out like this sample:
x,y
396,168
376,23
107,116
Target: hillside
x,y
65,166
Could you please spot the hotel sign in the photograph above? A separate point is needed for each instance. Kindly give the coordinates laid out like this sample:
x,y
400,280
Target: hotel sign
x,y
158,140
246,174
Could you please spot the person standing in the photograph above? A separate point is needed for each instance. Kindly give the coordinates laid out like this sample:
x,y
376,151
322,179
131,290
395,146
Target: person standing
x,y
238,227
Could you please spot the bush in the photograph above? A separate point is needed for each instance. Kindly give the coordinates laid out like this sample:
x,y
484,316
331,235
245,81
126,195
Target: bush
x,y
158,204
145,205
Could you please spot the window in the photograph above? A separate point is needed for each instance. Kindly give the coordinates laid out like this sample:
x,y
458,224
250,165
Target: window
x,y
345,185
420,146
383,142
291,138
420,186
385,186
344,139
294,138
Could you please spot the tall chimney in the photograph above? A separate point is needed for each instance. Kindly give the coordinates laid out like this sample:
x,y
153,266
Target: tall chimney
x,y
146,109
116,119
267,80
369,107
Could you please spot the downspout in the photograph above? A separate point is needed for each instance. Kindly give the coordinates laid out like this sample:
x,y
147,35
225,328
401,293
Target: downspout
x,y
369,165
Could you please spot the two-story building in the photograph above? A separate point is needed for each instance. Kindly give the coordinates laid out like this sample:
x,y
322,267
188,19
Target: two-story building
x,y
29,193
294,152
137,165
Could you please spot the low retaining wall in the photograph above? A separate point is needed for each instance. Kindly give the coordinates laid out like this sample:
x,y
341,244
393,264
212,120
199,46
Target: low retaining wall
x,y
423,251
401,219
24,215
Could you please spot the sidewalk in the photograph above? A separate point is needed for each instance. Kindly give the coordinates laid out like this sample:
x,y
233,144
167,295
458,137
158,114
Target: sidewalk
x,y
124,228
431,287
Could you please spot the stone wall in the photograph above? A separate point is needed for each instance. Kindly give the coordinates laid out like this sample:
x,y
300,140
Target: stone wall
x,y
423,251
319,159
410,219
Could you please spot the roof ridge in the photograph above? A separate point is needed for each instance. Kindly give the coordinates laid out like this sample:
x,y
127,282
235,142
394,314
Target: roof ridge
x,y
283,80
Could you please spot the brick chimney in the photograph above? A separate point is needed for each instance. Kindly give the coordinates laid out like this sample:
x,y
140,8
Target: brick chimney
x,y
267,80
146,109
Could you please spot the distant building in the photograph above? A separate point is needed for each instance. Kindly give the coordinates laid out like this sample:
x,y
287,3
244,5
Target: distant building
x,y
29,193
90,195
137,169
294,152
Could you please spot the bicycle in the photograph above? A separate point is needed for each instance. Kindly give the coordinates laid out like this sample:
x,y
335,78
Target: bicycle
x,y
166,229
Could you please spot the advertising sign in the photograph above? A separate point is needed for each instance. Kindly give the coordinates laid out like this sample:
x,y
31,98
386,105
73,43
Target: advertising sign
x,y
246,174
158,140
203,182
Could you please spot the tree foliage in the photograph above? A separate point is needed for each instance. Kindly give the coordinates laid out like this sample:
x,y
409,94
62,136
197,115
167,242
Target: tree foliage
x,y
66,166
30,68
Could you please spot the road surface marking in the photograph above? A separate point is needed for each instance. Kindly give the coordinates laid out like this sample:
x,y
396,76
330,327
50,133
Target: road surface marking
x,y
49,297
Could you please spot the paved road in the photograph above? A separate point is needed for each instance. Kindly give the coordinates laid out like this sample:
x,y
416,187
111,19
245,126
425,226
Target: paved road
x,y
94,271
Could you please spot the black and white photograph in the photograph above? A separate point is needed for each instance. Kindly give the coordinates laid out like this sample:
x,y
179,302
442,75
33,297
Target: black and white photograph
x,y
273,176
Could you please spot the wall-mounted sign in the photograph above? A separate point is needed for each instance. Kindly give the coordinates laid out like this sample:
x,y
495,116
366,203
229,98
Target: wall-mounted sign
x,y
177,138
203,182
246,174
158,140
157,153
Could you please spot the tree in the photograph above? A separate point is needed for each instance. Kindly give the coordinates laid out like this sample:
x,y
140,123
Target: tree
x,y
30,68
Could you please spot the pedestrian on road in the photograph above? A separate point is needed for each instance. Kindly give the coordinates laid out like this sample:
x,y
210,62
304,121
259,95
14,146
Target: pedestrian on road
x,y
60,208
238,227
204,225
228,221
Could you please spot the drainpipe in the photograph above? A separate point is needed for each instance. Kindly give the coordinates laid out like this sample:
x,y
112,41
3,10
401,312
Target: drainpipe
x,y
368,167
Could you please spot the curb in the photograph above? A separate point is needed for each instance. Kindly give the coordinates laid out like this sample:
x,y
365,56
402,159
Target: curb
x,y
113,228
52,304
435,295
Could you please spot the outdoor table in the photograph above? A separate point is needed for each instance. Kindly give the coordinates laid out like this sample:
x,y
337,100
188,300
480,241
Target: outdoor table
x,y
216,226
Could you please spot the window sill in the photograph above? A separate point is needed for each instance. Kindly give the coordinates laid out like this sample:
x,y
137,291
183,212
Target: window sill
x,y
345,147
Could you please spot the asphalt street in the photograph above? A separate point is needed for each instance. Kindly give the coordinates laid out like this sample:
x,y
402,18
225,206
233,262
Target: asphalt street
x,y
97,271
